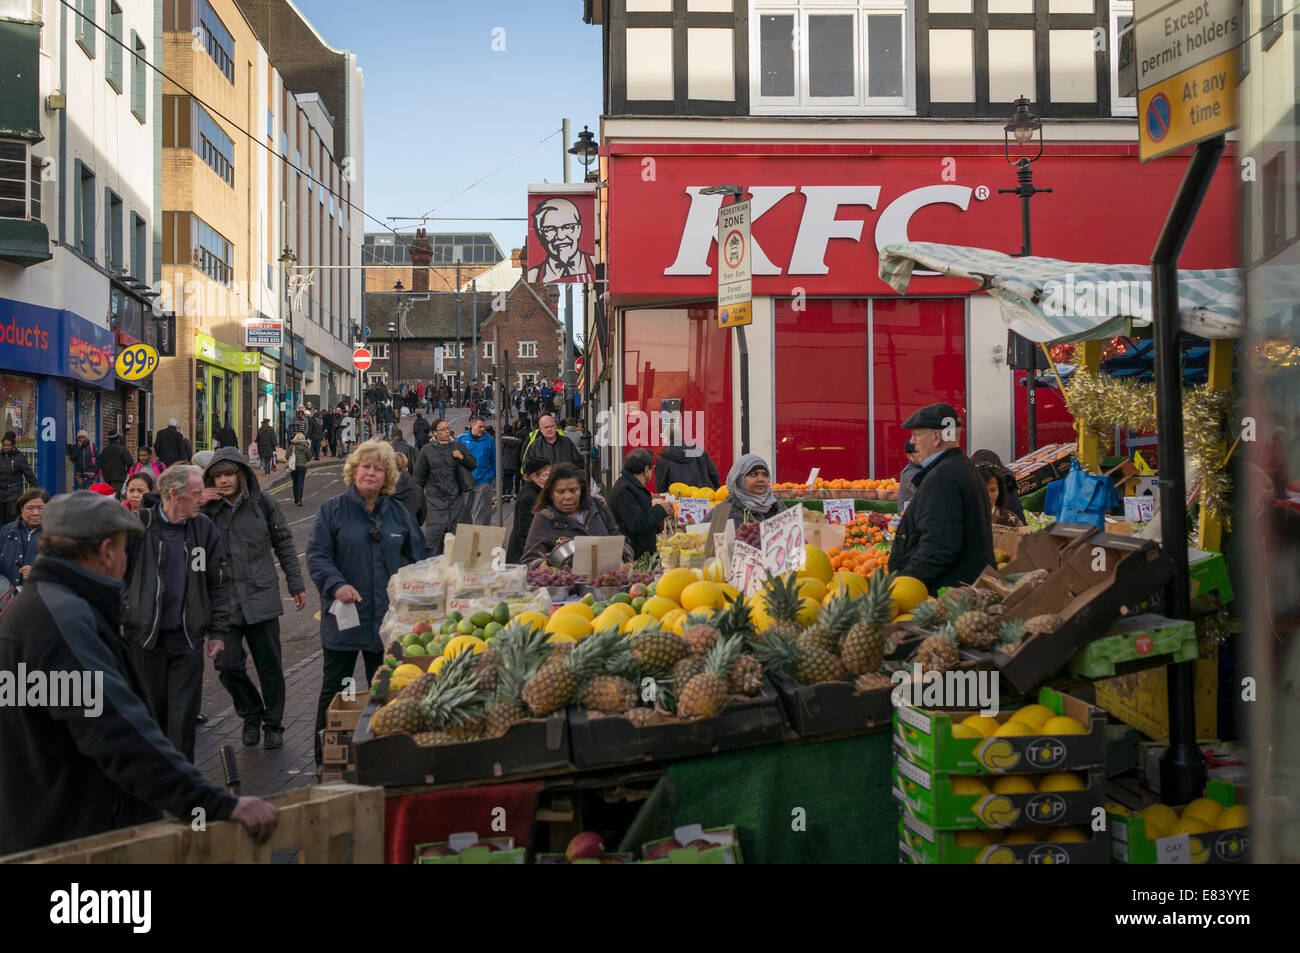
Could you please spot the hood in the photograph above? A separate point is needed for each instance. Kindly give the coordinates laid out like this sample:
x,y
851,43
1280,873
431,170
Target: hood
x,y
234,456
680,453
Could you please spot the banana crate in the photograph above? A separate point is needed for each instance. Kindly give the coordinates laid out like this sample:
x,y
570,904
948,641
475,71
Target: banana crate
x,y
927,739
1228,844
967,802
919,843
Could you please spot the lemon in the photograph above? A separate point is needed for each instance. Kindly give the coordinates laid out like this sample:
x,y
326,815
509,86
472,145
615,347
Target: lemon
x,y
813,588
561,637
1062,781
1013,784
575,608
1189,825
973,839
438,664
1067,835
982,724
1159,818
1205,810
533,619
1034,715
1062,725
701,595
407,671
816,564
966,785
721,493
908,592
1238,816
570,624
965,731
1014,729
638,622
671,584
851,581
1021,837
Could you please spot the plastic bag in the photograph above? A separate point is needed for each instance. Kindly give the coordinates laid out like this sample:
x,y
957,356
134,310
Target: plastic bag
x,y
1086,498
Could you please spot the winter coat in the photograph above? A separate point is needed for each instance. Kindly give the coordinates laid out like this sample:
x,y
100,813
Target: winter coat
x,y
17,549
629,501
206,612
523,521
14,469
906,488
301,452
114,462
435,472
549,526
406,450
685,464
227,437
740,514
266,443
315,429
562,451
83,457
152,466
420,430
74,772
256,534
512,446
342,553
485,454
170,445
945,537
412,497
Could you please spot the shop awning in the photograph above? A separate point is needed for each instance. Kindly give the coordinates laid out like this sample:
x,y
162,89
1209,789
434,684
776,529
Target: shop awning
x,y
1050,301
24,243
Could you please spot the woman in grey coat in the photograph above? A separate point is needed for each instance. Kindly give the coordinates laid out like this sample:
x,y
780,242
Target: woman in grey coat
x,y
445,471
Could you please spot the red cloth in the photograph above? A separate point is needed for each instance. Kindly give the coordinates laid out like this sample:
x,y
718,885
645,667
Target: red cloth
x,y
431,818
103,489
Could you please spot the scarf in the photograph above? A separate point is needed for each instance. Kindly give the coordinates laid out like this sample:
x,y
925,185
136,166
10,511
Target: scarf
x,y
736,485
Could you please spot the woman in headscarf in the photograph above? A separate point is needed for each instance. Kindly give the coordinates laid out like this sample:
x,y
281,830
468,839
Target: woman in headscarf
x,y
749,490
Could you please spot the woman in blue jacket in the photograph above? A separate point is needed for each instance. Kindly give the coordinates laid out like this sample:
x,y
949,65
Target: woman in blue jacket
x,y
360,539
18,539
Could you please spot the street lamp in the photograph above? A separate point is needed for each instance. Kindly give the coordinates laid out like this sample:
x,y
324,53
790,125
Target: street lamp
x,y
1022,127
287,260
392,352
401,314
586,150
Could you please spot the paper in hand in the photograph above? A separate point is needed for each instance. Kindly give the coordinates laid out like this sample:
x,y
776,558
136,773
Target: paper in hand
x,y
346,614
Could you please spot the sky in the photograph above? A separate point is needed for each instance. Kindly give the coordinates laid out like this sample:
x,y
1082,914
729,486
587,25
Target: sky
x,y
444,109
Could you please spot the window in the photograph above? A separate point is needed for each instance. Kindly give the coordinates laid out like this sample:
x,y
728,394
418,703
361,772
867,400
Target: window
x,y
113,231
139,101
139,248
331,206
379,352
215,147
113,48
1273,197
527,348
845,57
84,239
1270,22
220,44
1121,15
489,351
284,145
270,125
309,178
20,181
297,161
188,240
85,26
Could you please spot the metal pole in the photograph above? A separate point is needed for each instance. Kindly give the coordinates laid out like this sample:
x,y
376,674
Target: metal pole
x,y
567,370
496,343
459,355
1025,175
1182,768
564,147
473,317
744,389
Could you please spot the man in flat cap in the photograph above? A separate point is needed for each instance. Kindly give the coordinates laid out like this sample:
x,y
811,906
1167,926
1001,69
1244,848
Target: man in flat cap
x,y
945,537
81,754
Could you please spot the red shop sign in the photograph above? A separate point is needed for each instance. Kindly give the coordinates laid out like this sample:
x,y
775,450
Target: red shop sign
x,y
819,219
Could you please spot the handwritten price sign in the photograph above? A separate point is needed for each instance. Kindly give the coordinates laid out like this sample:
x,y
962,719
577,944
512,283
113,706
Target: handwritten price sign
x,y
782,538
747,571
692,511
838,511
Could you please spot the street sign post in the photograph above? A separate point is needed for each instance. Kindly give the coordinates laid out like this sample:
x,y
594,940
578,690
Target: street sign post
x,y
361,358
735,271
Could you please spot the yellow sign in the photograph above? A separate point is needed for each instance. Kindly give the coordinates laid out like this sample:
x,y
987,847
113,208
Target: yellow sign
x,y
1196,104
734,315
136,362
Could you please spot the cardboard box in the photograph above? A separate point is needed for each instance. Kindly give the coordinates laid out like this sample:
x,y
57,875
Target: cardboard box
x,y
918,843
538,744
1130,844
1137,639
1209,573
599,739
344,714
458,849
1141,699
335,775
336,747
1007,538
831,706
724,849
926,739
929,796
1035,470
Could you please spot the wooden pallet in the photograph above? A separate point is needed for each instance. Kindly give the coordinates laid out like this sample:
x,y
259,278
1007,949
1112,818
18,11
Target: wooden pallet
x,y
319,822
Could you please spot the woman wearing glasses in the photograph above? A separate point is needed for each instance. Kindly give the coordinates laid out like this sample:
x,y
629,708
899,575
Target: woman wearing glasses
x,y
445,472
360,539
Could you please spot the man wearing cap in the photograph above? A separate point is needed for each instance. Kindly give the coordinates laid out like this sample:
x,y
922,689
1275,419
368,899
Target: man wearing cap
x,y
177,596
93,758
85,462
114,461
945,537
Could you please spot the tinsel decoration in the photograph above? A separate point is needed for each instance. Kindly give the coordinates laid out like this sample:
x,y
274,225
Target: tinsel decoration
x,y
1101,403
1214,628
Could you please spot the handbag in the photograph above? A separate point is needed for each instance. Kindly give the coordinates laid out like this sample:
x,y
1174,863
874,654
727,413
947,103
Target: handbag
x,y
1086,498
464,476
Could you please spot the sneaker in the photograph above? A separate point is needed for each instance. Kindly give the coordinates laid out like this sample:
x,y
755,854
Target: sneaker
x,y
252,730
274,738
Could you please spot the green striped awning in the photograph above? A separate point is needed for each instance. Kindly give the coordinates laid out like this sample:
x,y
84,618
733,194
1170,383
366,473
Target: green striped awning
x,y
1051,301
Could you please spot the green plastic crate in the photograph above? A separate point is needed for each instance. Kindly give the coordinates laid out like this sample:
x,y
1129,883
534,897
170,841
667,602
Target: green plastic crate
x,y
1209,573
1130,844
1135,639
918,843
929,798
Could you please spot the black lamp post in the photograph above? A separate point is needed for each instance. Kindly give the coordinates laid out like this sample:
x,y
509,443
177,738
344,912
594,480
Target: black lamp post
x,y
586,149
287,260
1022,127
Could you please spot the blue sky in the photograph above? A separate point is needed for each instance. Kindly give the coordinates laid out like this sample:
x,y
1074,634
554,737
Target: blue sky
x,y
443,108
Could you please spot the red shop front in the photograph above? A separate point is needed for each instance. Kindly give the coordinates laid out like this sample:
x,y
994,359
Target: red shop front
x,y
838,360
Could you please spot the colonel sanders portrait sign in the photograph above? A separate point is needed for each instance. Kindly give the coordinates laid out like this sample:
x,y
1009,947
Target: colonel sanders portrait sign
x,y
561,233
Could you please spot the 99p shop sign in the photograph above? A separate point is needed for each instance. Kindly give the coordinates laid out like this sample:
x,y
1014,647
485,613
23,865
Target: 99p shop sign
x,y
818,221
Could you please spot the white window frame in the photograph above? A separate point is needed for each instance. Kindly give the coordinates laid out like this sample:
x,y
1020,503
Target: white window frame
x,y
379,351
860,104
488,351
1119,106
528,350
32,165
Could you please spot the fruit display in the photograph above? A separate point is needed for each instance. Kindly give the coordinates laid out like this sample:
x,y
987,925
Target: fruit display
x,y
1217,829
860,560
748,533
686,491
550,577
867,529
822,488
623,577
683,544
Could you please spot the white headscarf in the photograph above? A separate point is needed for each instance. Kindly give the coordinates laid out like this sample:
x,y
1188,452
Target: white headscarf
x,y
746,465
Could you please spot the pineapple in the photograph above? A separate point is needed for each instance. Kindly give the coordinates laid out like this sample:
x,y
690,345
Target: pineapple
x,y
557,682
781,595
737,619
1042,624
939,652
806,663
523,652
684,671
401,714
418,688
832,622
657,651
453,703
639,716
954,603
871,682
863,647
489,662
929,614
699,635
746,677
427,739
609,693
706,693
977,629
980,599
1010,634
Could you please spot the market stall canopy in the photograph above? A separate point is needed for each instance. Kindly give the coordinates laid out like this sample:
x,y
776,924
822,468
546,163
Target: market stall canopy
x,y
1050,301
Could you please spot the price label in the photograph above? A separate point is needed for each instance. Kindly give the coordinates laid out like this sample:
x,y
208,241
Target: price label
x,y
1174,850
692,511
782,539
1139,509
838,511
747,569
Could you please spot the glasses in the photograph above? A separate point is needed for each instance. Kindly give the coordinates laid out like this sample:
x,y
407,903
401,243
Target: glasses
x,y
550,231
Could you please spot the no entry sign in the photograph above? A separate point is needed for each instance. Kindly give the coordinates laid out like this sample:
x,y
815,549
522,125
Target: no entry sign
x,y
361,358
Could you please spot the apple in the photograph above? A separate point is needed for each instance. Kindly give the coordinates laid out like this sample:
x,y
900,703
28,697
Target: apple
x,y
484,843
585,846
421,627
660,851
636,589
438,850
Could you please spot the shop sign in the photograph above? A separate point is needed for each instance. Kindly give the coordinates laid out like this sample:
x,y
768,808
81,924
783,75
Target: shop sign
x,y
90,352
562,229
263,332
212,351
47,341
136,363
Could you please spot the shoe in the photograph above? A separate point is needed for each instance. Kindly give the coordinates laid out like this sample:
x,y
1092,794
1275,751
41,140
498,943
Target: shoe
x,y
274,738
251,732
201,718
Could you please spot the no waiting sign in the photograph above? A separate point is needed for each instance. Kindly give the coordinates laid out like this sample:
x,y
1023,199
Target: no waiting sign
x,y
735,271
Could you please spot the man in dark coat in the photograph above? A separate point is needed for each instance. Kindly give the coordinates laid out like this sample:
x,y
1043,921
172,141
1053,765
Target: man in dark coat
x,y
226,436
408,491
114,461
14,471
75,767
401,446
256,535
420,430
170,445
629,499
945,537
445,471
315,433
266,445
550,443
85,461
684,463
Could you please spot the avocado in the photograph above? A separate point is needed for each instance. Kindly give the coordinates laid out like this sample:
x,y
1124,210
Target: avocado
x,y
501,614
409,638
416,649
448,625
465,627
491,629
440,643
481,618
622,597
638,603
455,614
478,633
589,598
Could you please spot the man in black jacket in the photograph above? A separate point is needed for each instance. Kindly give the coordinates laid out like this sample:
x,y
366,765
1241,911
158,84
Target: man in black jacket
x,y
684,463
114,461
256,534
945,537
315,433
404,448
14,471
177,595
550,444
226,436
629,500
92,759
420,431
170,445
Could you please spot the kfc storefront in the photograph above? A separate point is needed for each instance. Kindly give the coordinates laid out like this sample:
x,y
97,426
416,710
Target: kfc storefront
x,y
837,359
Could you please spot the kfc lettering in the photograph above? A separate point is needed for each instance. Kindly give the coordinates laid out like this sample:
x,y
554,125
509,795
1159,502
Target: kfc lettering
x,y
23,337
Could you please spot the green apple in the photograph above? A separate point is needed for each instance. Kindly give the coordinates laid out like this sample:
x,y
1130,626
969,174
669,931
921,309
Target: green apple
x,y
465,627
638,603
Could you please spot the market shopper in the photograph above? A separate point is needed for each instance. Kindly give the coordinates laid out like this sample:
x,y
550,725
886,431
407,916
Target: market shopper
x,y
114,462
512,445
360,539
146,461
482,445
177,605
256,535
315,433
408,491
629,500
85,462
1009,498
749,490
298,456
906,488
225,436
945,537
551,444
266,446
420,430
402,447
18,539
564,510
682,462
535,475
171,445
14,472
999,512
101,761
445,472
137,486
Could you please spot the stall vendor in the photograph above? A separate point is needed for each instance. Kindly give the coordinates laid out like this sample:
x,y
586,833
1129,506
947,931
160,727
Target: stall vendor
x,y
749,490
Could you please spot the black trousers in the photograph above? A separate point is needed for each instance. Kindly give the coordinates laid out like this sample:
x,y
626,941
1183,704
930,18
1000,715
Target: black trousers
x,y
340,664
171,676
8,511
299,476
267,706
315,449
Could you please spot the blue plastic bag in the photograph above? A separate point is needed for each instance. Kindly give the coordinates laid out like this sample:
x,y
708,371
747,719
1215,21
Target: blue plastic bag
x,y
1086,498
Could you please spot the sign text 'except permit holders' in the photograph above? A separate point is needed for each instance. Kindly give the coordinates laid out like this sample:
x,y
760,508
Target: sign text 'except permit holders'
x,y
735,266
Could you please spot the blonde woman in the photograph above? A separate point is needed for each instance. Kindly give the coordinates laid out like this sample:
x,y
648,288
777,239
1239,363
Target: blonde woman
x,y
360,539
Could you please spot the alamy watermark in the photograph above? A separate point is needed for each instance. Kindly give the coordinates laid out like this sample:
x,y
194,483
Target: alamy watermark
x,y
952,689
34,688
1085,298
654,428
